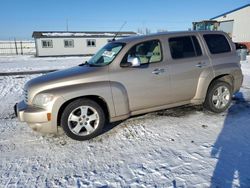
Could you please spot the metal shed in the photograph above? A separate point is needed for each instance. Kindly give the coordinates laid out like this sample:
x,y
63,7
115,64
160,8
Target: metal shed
x,y
236,23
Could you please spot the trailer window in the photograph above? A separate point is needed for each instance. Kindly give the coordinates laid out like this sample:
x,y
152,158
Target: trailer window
x,y
91,43
69,43
47,44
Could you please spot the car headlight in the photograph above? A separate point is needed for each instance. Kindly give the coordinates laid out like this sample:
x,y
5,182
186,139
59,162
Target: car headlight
x,y
42,99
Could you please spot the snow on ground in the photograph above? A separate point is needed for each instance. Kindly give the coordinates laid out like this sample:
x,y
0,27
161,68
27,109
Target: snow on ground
x,y
29,63
181,147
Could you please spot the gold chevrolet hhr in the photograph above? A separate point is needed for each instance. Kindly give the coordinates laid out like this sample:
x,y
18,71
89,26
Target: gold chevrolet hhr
x,y
132,76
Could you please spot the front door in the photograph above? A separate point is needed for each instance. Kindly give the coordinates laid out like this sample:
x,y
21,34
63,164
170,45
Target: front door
x,y
147,85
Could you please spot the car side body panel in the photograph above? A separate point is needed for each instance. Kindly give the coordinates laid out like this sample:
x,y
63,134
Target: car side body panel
x,y
99,89
120,101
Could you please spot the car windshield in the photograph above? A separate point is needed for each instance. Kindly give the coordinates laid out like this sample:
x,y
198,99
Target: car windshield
x,y
106,55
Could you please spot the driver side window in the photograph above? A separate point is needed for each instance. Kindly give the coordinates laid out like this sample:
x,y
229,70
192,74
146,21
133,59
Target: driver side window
x,y
146,52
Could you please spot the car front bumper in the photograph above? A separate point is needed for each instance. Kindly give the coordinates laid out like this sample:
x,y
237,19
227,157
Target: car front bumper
x,y
35,117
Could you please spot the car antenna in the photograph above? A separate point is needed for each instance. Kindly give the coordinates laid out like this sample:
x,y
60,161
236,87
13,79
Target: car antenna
x,y
119,30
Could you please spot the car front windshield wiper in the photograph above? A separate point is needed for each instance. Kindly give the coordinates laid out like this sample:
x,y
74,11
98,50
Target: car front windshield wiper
x,y
82,64
88,64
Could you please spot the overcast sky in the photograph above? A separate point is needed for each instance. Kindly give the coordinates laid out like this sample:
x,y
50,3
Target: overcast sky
x,y
19,18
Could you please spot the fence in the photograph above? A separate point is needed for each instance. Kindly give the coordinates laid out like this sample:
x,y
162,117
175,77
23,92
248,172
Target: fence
x,y
17,48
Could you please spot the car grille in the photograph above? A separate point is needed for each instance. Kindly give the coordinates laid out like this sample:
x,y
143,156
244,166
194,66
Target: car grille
x,y
25,95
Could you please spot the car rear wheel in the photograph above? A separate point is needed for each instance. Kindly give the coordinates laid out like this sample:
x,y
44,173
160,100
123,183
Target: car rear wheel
x,y
219,97
82,119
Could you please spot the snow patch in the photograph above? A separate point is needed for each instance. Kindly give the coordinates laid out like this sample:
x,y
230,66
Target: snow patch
x,y
181,147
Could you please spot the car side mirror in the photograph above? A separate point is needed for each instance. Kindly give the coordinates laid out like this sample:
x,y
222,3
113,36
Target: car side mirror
x,y
134,61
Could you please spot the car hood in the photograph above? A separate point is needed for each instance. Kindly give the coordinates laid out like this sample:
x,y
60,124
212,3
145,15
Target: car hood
x,y
62,78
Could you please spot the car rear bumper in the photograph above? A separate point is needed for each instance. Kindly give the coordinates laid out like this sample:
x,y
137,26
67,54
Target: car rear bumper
x,y
35,117
238,80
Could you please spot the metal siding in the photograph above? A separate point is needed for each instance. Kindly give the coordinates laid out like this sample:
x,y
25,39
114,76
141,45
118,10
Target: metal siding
x,y
80,46
241,29
227,27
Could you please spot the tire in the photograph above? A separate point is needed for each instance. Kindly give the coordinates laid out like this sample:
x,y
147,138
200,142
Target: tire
x,y
219,97
82,119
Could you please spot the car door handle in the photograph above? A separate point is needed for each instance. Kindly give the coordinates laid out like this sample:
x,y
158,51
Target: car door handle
x,y
201,64
158,71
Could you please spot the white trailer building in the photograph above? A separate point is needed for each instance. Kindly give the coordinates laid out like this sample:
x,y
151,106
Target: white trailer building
x,y
236,23
60,43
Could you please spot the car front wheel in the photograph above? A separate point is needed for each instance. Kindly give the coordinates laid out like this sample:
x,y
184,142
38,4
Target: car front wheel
x,y
82,119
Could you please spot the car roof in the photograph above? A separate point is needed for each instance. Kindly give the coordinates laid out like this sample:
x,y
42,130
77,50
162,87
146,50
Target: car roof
x,y
155,35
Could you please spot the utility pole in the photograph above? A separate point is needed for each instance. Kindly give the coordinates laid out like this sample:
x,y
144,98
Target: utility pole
x,y
67,25
16,46
21,45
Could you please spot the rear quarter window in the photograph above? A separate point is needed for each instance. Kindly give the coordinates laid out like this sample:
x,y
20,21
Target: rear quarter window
x,y
217,43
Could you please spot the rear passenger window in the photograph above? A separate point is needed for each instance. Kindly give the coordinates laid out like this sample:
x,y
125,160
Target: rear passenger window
x,y
197,46
217,43
184,47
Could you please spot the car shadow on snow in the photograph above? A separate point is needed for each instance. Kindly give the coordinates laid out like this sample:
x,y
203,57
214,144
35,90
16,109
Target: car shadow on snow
x,y
232,147
180,111
171,112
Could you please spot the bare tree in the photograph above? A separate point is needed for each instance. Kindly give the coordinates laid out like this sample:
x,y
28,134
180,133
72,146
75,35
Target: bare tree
x,y
161,30
144,31
147,31
140,31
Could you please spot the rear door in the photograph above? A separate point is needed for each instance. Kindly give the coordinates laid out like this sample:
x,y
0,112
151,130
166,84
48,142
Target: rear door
x,y
187,61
